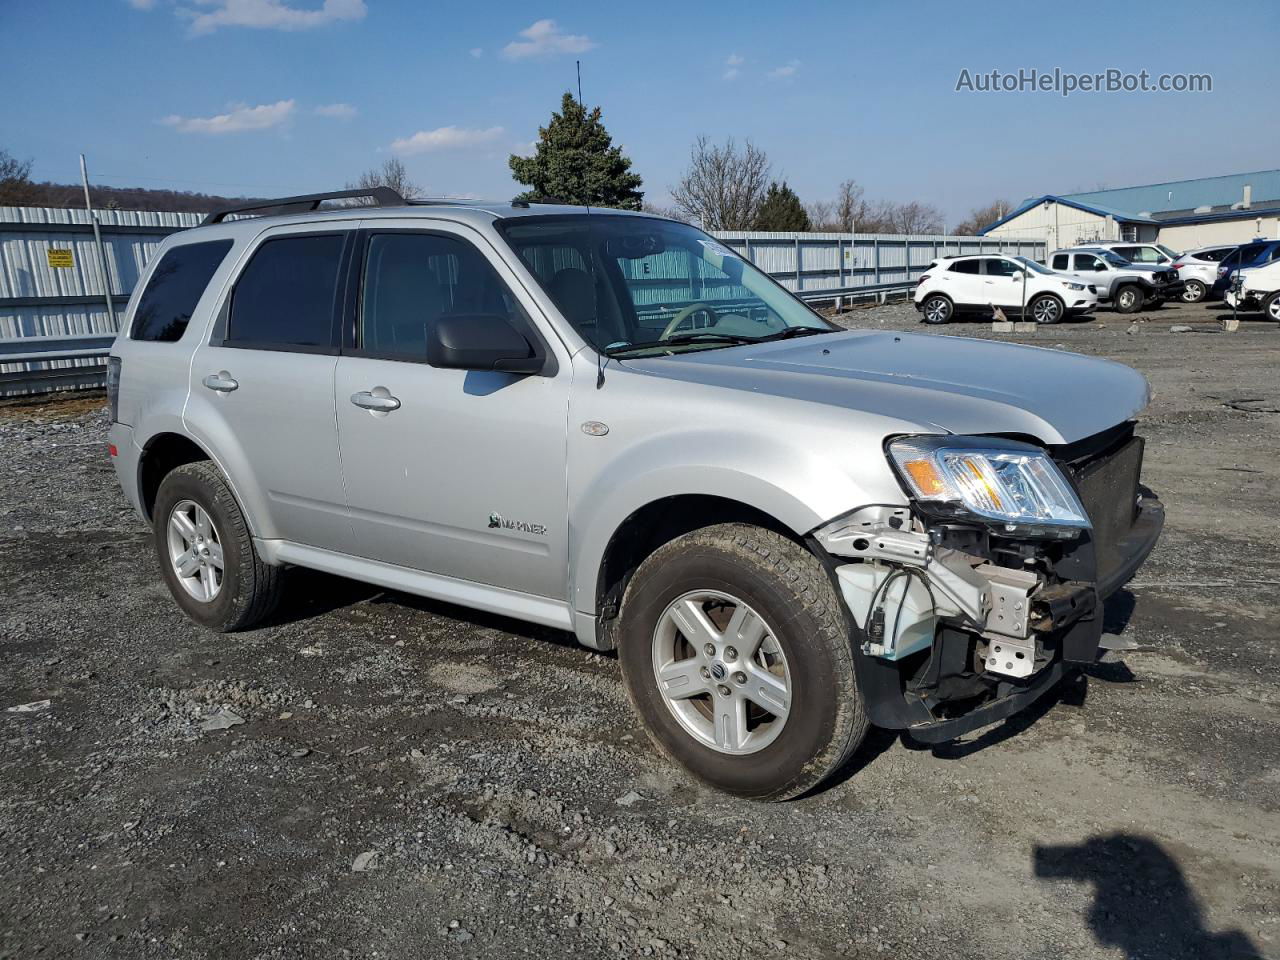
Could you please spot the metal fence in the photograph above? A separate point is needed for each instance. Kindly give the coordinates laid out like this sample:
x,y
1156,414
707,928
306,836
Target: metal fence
x,y
821,265
55,329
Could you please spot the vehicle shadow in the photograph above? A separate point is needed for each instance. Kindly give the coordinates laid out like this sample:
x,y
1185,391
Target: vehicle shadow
x,y
311,593
1142,903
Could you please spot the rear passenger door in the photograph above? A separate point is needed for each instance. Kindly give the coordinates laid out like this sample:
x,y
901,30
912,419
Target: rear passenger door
x,y
262,386
962,282
453,472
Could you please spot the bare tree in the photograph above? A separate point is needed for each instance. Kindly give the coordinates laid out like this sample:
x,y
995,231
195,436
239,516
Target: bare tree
x,y
15,180
724,185
850,208
671,213
822,216
391,174
979,217
915,217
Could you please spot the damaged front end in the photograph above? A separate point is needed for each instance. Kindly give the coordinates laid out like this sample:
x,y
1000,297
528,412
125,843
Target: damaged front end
x,y
976,599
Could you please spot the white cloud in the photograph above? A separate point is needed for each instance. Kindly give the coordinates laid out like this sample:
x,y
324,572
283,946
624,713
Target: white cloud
x,y
477,52
269,14
444,138
525,149
239,118
340,111
142,4
544,39
734,60
781,73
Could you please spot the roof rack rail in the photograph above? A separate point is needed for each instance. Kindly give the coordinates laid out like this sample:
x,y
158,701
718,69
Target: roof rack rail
x,y
382,197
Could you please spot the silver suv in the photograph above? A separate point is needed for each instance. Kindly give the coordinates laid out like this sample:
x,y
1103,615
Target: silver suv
x,y
611,424
1127,286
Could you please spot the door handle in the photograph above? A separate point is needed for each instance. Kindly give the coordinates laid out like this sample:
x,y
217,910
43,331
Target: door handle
x,y
381,402
220,382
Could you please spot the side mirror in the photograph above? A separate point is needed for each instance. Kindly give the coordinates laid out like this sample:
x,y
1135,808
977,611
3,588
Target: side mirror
x,y
479,341
1100,268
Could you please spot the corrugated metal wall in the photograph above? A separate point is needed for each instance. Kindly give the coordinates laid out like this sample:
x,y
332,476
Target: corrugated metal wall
x,y
828,261
28,234
805,261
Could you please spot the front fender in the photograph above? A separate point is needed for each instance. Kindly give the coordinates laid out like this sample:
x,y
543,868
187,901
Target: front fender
x,y
799,486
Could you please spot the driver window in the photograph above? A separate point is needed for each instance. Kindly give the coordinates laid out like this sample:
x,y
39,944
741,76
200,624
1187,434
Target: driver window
x,y
412,279
999,267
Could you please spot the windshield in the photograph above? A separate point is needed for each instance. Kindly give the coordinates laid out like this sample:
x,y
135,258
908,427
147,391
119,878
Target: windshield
x,y
636,286
1032,265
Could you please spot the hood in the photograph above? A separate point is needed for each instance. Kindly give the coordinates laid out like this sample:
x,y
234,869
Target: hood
x,y
943,384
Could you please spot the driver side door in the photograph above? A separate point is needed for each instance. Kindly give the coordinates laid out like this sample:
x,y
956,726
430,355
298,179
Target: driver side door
x,y
459,473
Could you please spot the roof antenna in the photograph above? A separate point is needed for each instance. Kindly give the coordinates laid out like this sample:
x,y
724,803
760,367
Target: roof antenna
x,y
591,259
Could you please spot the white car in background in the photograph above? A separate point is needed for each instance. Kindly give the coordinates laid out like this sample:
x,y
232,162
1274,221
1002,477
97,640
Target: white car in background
x,y
1259,290
1198,269
1018,286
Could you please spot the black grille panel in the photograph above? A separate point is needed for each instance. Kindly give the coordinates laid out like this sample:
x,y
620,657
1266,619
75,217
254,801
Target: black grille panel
x,y
1108,488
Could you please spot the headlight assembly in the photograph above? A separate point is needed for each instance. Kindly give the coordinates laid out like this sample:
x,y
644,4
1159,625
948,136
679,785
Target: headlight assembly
x,y
1075,286
1013,485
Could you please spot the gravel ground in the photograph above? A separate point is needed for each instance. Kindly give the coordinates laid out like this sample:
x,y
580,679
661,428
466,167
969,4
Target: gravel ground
x,y
412,779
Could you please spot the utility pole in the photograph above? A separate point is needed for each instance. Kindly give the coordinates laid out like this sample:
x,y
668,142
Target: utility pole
x,y
97,240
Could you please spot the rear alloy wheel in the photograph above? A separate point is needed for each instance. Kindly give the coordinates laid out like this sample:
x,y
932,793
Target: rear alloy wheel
x,y
1193,292
1271,307
1046,308
937,309
206,552
737,657
1129,299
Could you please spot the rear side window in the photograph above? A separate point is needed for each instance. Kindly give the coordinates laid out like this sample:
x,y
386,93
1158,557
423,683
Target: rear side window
x,y
175,288
965,266
286,295
1213,256
1060,261
413,279
999,267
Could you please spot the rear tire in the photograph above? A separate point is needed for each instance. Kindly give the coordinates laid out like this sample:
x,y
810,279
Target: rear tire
x,y
937,309
711,592
1129,298
1046,308
1194,291
206,552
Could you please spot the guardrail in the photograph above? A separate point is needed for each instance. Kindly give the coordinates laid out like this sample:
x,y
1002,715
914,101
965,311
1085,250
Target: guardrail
x,y
881,291
27,350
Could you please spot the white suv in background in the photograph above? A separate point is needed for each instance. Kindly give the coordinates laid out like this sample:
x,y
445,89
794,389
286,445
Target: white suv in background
x,y
1259,290
1016,285
1198,269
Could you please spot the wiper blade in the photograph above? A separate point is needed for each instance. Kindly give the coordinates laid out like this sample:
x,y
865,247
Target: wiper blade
x,y
681,338
790,332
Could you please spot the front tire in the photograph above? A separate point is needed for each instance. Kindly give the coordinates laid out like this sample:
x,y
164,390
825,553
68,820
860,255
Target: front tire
x,y
206,552
1129,299
937,309
1194,291
1046,309
1271,307
736,655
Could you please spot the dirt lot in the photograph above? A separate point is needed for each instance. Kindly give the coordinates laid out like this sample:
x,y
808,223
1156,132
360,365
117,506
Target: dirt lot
x,y
416,780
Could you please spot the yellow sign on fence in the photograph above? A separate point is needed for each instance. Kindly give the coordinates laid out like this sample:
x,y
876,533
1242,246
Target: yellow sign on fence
x,y
60,258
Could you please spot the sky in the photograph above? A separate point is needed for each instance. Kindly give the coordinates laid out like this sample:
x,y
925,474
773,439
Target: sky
x,y
274,97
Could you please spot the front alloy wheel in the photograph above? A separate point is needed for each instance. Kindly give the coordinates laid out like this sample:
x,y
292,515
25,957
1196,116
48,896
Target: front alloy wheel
x,y
721,672
1046,309
737,657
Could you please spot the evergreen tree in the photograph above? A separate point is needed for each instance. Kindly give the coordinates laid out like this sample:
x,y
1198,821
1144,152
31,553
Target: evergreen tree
x,y
781,210
576,162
